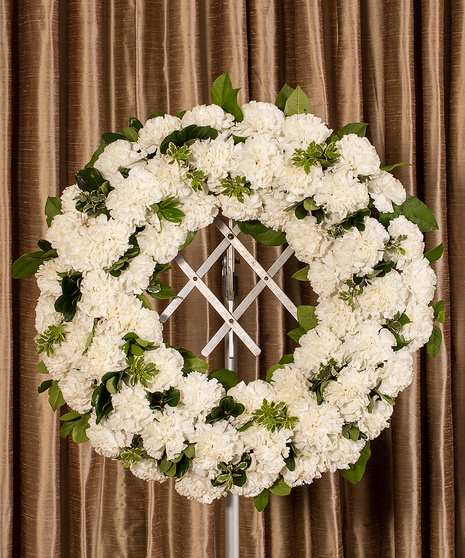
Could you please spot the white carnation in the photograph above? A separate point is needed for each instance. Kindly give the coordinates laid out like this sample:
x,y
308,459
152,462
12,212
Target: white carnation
x,y
259,160
305,128
155,130
77,391
358,154
162,245
260,117
208,115
385,189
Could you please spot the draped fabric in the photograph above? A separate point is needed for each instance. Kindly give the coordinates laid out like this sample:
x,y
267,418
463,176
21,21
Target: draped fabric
x,y
73,69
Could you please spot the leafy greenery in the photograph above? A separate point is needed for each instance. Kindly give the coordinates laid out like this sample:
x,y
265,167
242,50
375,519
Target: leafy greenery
x,y
223,95
134,453
55,397
159,399
185,138
156,289
395,327
226,408
235,187
196,176
434,254
323,154
261,233
28,264
302,274
53,335
290,459
262,499
226,378
415,211
357,128
356,219
233,474
52,208
141,372
123,263
376,394
303,208
328,373
135,346
355,471
280,488
93,202
434,342
283,96
286,359
179,466
167,210
191,362
307,319
76,425
66,304
394,245
389,168
297,103
274,416
352,432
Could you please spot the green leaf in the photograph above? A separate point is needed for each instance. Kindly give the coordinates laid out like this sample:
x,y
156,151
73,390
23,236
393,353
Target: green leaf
x,y
302,274
389,168
261,233
66,428
271,369
221,88
280,488
434,342
310,204
231,105
190,237
52,208
283,96
44,386
434,254
261,500
145,301
189,452
227,378
438,307
27,265
355,471
96,155
246,426
307,317
55,397
70,416
164,292
135,123
296,334
89,179
131,133
79,431
358,128
297,103
110,137
191,362
42,368
415,211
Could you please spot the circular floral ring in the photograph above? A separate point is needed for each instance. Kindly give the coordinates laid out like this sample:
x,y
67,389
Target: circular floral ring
x,y
282,173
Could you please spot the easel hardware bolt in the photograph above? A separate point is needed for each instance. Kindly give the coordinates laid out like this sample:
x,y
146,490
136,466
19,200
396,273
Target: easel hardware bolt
x,y
230,236
266,278
195,278
231,321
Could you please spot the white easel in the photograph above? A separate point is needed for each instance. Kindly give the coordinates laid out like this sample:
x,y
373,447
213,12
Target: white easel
x,y
231,329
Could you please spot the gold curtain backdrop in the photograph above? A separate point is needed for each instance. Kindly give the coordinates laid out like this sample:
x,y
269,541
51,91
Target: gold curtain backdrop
x,y
73,69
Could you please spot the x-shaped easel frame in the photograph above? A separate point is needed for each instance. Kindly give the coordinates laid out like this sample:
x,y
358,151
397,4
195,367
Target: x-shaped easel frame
x,y
230,319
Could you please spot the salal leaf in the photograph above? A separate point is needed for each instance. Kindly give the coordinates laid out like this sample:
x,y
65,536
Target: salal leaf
x,y
261,233
221,88
52,208
28,264
296,334
89,179
42,368
357,128
131,133
96,155
355,471
438,308
302,274
70,416
191,362
226,377
232,106
434,254
307,317
434,342
415,211
79,431
55,397
389,168
262,499
297,103
280,488
145,301
283,96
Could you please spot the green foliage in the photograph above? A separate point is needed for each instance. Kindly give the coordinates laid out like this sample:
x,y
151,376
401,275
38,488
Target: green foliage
x,y
197,177
223,95
395,327
42,368
434,254
297,103
328,373
233,474
356,219
134,453
261,500
324,154
186,137
141,372
376,394
357,128
438,308
415,211
28,264
190,237
226,378
274,416
389,168
76,425
123,263
135,346
226,408
101,397
261,233
66,304
394,245
180,154
283,96
355,471
302,274
159,399
352,432
307,319
434,342
52,208
167,210
290,459
303,208
235,187
191,362
55,397
280,488
286,359
179,466
53,335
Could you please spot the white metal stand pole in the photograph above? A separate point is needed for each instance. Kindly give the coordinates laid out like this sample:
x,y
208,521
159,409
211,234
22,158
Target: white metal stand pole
x,y
231,510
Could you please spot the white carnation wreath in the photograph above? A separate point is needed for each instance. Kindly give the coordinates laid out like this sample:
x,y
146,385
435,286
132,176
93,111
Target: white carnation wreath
x,y
284,175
